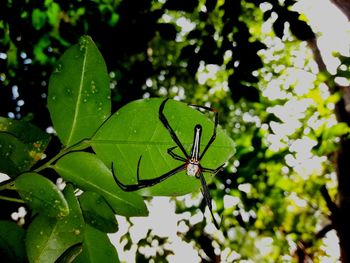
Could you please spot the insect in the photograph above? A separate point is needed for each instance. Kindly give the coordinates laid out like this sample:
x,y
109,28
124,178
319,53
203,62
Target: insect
x,y
190,162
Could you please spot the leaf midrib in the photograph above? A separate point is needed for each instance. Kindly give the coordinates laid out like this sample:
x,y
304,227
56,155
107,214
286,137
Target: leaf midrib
x,y
77,109
147,142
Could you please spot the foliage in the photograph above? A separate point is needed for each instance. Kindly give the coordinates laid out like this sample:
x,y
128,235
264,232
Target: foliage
x,y
63,226
240,57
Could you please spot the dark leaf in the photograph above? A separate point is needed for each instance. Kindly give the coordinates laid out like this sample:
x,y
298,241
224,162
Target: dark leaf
x,y
300,29
12,247
181,5
97,212
97,248
167,31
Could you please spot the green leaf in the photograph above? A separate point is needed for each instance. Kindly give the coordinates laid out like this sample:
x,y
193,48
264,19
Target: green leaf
x,y
38,19
89,173
26,133
79,93
14,157
47,238
21,145
41,195
97,248
12,247
97,212
135,130
53,13
70,254
336,130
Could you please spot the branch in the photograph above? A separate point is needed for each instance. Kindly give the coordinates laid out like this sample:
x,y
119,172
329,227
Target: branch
x,y
344,6
83,144
322,233
330,204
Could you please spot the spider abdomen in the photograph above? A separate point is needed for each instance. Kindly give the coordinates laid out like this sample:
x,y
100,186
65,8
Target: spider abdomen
x,y
192,168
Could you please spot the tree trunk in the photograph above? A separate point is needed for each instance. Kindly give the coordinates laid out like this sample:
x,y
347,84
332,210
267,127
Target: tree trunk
x,y
340,213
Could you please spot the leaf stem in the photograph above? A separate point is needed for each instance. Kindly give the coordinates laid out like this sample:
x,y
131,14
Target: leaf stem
x,y
11,199
8,185
83,144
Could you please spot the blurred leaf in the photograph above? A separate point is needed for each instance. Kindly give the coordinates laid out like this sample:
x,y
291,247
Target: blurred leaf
x,y
336,130
12,247
79,93
47,238
25,132
97,212
97,248
38,19
14,156
278,27
210,4
53,13
41,195
89,173
21,145
136,130
167,31
299,28
181,5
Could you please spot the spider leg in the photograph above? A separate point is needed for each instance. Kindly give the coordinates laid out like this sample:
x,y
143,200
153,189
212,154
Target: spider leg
x,y
213,171
143,183
127,188
207,197
174,155
216,122
172,133
150,182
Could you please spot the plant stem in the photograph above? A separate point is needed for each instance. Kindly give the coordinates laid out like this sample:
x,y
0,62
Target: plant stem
x,y
83,144
11,199
8,185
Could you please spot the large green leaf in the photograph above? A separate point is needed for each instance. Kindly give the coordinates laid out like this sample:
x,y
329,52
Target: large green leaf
x,y
21,145
136,130
41,195
47,238
79,93
89,173
12,247
97,212
97,248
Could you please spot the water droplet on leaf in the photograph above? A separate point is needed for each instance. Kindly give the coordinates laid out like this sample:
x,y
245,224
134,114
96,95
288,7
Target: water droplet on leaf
x,y
93,87
83,44
58,68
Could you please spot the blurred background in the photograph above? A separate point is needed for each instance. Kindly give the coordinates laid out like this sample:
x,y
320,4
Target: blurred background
x,y
276,70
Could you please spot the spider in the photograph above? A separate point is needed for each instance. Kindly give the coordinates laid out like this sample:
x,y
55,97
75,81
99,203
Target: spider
x,y
190,162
